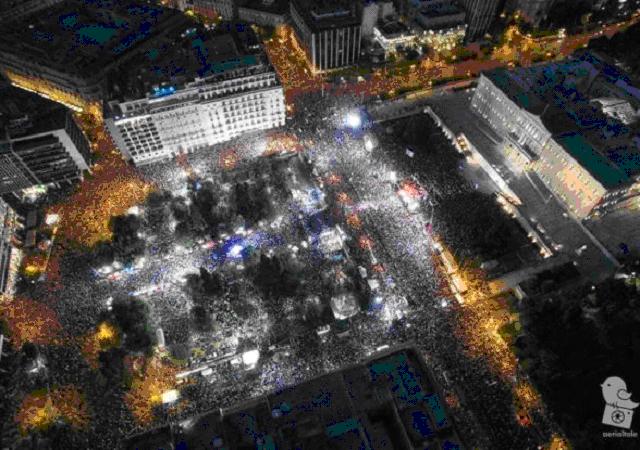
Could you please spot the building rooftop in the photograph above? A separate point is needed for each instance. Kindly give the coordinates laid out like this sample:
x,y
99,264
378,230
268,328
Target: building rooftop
x,y
325,14
439,8
392,28
390,401
179,58
561,95
270,6
24,113
81,37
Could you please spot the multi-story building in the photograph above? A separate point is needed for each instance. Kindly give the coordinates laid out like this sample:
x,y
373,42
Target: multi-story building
x,y
215,8
442,21
67,52
555,125
392,35
390,401
17,9
480,16
328,31
245,95
40,143
264,12
8,265
372,13
533,11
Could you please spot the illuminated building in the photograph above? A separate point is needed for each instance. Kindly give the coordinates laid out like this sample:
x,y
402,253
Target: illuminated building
x,y
442,22
213,8
480,16
391,400
553,125
264,12
392,34
66,53
17,9
40,144
329,32
245,95
533,11
8,225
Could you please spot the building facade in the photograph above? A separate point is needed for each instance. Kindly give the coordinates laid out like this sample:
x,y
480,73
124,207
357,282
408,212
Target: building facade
x,y
8,265
203,113
214,8
329,33
480,16
270,13
589,158
372,13
40,144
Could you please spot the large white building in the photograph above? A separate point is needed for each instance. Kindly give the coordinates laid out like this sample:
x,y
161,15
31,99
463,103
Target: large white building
x,y
555,123
204,112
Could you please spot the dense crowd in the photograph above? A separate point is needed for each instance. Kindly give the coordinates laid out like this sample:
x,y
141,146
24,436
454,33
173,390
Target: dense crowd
x,y
400,251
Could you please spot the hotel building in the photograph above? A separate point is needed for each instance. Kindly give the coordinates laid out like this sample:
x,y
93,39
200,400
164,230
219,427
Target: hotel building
x,y
245,96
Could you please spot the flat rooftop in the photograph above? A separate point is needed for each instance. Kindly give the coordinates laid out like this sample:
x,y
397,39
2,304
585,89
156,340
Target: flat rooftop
x,y
392,28
561,95
440,9
327,14
81,37
270,6
24,113
390,401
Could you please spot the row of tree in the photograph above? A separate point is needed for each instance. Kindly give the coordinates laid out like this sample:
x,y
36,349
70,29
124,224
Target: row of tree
x,y
576,340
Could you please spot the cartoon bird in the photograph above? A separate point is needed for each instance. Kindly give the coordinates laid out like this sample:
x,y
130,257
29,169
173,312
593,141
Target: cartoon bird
x,y
614,391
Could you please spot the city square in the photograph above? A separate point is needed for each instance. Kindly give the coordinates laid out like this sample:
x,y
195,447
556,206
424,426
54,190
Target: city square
x,y
253,224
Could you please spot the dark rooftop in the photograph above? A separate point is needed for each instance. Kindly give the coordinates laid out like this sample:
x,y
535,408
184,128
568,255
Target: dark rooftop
x,y
439,9
390,401
87,35
25,113
561,93
179,58
392,28
325,14
270,6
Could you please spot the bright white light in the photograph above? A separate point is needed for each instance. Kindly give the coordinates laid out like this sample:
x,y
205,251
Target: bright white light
x,y
354,120
368,144
170,396
52,219
134,210
250,358
117,265
393,177
235,251
140,263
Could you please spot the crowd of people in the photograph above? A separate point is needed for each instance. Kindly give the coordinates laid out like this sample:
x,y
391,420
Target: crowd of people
x,y
399,254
